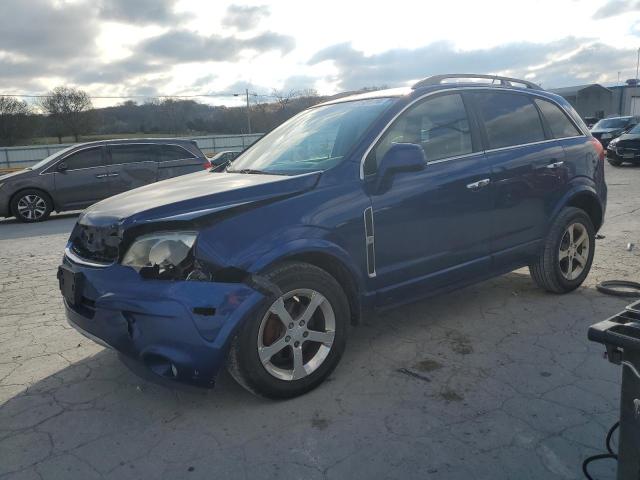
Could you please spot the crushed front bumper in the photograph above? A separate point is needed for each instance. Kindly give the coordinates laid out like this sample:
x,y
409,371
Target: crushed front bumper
x,y
177,330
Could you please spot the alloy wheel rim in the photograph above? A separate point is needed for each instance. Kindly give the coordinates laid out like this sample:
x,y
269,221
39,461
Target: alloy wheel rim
x,y
32,207
573,252
296,334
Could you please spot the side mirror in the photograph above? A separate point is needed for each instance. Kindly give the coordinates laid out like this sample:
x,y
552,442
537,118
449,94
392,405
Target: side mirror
x,y
401,157
62,167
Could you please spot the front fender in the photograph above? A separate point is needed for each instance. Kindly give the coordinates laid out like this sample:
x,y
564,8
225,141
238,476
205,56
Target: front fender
x,y
308,246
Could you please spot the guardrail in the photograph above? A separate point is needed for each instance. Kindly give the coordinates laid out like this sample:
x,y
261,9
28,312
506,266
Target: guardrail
x,y
12,158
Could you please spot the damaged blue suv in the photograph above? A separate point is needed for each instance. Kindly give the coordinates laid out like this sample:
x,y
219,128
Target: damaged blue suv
x,y
357,204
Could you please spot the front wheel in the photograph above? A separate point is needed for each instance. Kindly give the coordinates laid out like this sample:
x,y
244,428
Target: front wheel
x,y
296,338
567,253
31,205
614,163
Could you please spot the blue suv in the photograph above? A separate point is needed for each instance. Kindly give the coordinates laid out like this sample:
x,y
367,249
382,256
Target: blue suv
x,y
357,204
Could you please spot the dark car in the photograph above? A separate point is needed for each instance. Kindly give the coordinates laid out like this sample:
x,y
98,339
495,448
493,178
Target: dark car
x,y
85,173
361,203
625,148
222,159
591,121
609,128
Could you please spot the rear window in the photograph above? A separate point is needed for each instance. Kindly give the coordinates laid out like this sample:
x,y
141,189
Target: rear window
x,y
88,158
509,119
122,154
173,152
557,120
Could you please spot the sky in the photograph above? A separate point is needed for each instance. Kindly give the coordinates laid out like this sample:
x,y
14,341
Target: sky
x,y
147,48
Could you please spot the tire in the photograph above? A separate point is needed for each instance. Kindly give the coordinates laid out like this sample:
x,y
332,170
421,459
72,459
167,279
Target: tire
x,y
551,270
614,163
275,375
31,205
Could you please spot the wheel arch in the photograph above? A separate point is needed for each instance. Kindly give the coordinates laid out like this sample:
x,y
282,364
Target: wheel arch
x,y
330,258
585,199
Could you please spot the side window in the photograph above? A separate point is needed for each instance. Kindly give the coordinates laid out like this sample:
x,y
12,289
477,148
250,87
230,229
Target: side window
x,y
131,153
173,152
440,125
557,120
88,158
509,119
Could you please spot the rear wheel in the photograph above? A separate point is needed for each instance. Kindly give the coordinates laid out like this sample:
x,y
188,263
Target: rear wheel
x,y
296,339
31,205
567,253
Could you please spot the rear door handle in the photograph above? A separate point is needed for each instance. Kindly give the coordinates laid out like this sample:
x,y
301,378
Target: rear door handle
x,y
479,184
101,175
555,165
113,174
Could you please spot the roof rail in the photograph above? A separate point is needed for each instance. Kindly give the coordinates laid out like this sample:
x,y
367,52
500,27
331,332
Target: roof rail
x,y
504,81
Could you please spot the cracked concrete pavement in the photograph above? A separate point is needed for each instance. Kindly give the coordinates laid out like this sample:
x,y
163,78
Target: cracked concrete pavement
x,y
494,381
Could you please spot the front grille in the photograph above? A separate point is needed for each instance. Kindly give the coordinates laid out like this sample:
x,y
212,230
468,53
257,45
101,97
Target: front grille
x,y
98,244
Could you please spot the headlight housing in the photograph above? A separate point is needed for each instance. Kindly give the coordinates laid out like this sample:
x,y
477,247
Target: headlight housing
x,y
606,136
160,253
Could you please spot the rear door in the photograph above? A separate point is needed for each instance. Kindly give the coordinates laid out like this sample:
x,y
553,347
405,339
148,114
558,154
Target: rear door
x,y
84,181
131,165
528,172
175,160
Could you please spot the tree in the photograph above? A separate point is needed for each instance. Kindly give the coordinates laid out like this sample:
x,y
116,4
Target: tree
x,y
284,98
70,109
16,120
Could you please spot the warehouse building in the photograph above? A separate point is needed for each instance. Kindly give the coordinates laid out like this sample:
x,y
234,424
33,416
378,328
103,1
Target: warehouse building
x,y
594,100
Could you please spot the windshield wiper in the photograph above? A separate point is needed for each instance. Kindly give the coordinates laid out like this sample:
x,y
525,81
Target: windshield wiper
x,y
251,170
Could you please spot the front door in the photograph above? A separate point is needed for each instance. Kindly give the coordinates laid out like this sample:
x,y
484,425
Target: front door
x,y
81,179
131,165
431,228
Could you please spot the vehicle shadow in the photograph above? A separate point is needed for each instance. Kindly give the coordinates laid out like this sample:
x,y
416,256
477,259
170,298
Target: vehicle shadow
x,y
97,411
59,223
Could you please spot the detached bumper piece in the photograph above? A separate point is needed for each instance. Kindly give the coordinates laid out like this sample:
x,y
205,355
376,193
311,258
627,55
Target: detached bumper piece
x,y
620,334
175,330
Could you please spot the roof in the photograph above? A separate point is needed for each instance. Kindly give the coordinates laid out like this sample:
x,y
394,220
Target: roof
x,y
572,91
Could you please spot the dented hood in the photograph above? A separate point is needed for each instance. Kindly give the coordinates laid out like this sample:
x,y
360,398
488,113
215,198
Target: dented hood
x,y
192,196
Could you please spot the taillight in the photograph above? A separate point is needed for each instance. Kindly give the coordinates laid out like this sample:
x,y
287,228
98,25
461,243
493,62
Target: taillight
x,y
599,148
207,165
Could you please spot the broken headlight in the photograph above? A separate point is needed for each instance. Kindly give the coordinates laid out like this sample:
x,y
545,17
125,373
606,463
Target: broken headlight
x,y
159,253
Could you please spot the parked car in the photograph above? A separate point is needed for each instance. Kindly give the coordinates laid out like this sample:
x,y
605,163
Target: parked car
x,y
591,121
361,203
609,128
82,174
625,148
222,159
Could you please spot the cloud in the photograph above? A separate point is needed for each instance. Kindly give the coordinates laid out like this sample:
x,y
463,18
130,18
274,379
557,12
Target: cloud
x,y
613,8
184,46
40,29
141,11
114,72
245,17
583,60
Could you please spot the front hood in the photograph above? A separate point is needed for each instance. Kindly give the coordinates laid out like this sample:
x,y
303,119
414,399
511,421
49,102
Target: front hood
x,y
192,196
605,130
14,174
628,139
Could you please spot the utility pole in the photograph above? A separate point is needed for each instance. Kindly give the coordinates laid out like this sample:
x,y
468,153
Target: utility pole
x,y
637,64
246,91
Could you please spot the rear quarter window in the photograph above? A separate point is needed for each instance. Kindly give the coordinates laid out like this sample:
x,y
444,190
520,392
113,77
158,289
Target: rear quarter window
x,y
557,120
173,152
509,119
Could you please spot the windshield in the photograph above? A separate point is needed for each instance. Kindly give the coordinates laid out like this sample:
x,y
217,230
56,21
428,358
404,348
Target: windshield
x,y
612,123
316,139
635,129
53,156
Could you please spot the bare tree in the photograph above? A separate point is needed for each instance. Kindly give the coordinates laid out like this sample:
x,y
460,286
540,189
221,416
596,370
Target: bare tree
x,y
70,109
16,120
284,98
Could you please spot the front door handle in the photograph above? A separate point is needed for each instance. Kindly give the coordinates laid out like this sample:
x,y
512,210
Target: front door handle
x,y
555,165
479,184
113,174
101,175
